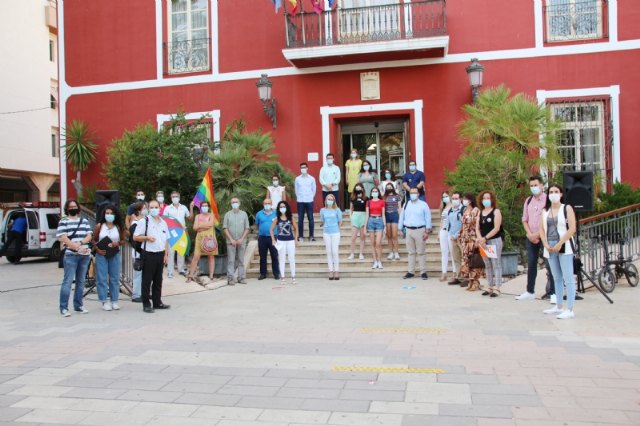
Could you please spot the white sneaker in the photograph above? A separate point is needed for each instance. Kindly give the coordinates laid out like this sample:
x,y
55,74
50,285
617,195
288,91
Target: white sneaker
x,y
82,310
106,306
566,314
115,306
375,265
526,296
350,257
397,256
390,256
361,257
553,299
380,265
552,311
65,313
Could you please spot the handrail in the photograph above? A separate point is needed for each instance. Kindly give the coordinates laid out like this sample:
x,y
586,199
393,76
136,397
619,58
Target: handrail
x,y
608,214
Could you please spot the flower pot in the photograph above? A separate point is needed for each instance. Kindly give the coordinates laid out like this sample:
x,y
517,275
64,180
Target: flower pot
x,y
509,263
220,265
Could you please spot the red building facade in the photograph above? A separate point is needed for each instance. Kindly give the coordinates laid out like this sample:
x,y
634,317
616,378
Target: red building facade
x,y
386,77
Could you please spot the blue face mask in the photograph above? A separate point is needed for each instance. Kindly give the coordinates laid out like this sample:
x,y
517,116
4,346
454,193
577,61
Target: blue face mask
x,y
154,211
413,196
387,175
329,203
535,190
446,200
109,217
486,203
412,168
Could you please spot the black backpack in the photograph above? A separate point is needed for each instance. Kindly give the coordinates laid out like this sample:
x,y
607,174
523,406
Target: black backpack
x,y
137,245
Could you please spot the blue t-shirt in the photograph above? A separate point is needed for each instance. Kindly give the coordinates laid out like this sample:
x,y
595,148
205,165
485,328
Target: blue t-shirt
x,y
264,221
331,219
414,179
19,225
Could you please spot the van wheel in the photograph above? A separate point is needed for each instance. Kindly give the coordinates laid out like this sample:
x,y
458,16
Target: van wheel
x,y
54,255
12,259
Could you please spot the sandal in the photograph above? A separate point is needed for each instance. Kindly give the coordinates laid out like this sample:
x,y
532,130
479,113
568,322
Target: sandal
x,y
331,278
293,281
283,281
495,293
486,293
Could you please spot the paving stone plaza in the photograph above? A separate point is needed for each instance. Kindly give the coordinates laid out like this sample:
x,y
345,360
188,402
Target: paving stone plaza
x,y
357,351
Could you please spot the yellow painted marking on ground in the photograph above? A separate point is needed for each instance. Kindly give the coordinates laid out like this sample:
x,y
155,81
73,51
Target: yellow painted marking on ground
x,y
402,330
388,369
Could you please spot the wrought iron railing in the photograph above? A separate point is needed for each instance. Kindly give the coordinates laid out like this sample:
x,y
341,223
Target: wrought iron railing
x,y
575,20
624,223
188,55
417,19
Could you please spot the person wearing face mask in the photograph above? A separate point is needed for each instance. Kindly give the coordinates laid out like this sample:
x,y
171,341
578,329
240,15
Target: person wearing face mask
x,y
533,207
236,229
153,233
131,209
276,192
414,178
443,234
358,214
205,244
305,186
161,203
75,233
416,218
489,233
392,207
352,169
284,235
141,210
389,179
558,226
375,223
108,237
368,178
330,179
264,220
454,225
469,276
331,217
180,213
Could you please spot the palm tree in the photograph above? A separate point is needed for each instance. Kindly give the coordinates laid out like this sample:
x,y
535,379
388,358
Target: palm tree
x,y
80,150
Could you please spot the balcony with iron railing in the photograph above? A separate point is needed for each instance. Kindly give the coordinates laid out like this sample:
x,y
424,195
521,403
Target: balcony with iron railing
x,y
576,20
187,56
403,30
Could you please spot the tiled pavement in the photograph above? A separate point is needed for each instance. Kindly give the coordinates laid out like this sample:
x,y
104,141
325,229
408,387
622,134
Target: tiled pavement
x,y
262,355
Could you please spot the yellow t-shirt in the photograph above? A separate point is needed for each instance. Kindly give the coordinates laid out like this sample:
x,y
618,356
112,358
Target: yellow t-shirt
x,y
353,169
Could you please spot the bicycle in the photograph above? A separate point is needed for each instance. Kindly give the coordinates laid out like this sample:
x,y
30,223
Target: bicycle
x,y
613,269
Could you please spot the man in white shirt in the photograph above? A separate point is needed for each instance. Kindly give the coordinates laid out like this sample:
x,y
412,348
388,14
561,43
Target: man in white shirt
x,y
179,212
153,233
330,180
305,186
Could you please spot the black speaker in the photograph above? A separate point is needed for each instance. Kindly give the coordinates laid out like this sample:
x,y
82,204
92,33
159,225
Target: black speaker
x,y
104,198
578,190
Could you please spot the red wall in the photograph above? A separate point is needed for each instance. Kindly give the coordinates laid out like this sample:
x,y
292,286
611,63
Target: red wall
x,y
109,42
628,19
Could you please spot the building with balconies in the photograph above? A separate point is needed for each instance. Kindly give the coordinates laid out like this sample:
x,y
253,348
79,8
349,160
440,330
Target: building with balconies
x,y
386,77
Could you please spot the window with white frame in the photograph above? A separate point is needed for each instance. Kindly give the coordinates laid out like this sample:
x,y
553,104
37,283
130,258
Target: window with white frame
x,y
574,20
581,138
55,146
188,45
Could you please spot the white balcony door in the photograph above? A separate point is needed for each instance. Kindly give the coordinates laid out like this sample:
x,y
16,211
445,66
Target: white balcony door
x,y
369,20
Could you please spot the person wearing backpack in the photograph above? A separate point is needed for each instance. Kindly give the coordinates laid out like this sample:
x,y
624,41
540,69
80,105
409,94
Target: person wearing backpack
x,y
533,207
140,211
558,226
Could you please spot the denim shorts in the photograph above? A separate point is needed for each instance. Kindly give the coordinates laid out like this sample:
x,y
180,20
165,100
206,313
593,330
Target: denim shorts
x,y
393,217
375,224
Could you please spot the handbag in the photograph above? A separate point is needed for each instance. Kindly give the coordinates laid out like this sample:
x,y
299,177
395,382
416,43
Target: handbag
x,y
475,259
209,244
138,262
64,249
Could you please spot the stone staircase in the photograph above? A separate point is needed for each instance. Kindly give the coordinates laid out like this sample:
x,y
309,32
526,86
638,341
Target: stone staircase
x,y
311,258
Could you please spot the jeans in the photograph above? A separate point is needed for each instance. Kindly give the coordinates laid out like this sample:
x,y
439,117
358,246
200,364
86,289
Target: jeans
x,y
493,267
287,249
235,259
533,251
75,267
302,208
111,267
332,245
266,245
336,196
137,284
562,270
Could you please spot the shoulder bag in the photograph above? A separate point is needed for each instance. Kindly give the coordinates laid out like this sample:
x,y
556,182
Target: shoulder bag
x,y
138,262
64,249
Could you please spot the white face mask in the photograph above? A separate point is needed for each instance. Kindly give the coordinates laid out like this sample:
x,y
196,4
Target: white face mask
x,y
175,200
161,199
554,198
329,161
140,197
144,212
283,210
535,190
204,209
456,203
465,203
303,171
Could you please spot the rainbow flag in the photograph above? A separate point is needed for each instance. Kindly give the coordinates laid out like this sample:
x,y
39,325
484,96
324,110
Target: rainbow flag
x,y
178,236
205,193
294,6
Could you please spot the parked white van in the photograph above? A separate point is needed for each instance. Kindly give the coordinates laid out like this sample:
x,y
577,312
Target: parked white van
x,y
42,223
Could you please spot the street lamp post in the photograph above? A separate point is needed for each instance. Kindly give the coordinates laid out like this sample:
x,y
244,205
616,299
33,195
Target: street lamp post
x,y
475,72
264,94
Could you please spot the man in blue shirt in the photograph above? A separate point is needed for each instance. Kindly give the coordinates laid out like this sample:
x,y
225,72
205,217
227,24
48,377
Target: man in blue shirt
x,y
17,231
454,226
416,218
264,219
414,179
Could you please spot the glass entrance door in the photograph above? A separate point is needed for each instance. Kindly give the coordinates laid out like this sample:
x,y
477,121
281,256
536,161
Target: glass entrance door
x,y
383,144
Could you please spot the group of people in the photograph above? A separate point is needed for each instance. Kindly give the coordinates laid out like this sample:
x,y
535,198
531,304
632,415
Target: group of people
x,y
471,234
